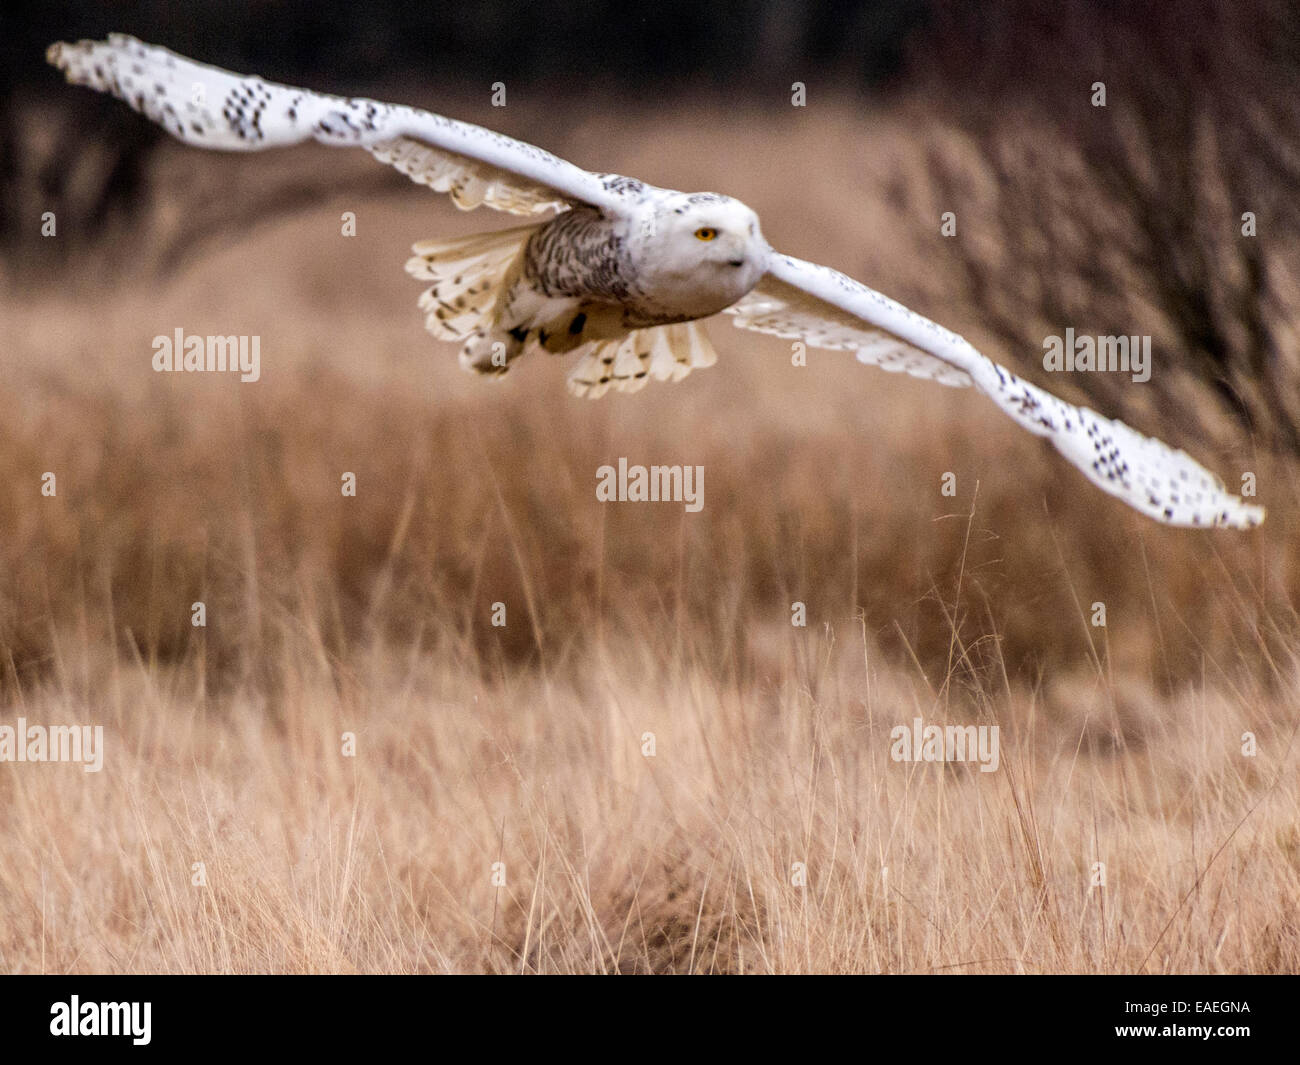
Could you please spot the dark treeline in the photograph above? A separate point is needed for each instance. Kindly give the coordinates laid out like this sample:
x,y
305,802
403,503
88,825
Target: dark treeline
x,y
733,45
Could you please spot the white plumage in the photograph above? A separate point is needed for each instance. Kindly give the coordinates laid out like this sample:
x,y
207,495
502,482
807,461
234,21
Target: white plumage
x,y
620,272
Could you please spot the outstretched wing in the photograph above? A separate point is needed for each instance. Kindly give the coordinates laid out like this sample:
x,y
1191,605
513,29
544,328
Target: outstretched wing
x,y
213,108
797,299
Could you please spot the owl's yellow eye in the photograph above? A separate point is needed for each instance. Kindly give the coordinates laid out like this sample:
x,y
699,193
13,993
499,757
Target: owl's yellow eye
x,y
705,233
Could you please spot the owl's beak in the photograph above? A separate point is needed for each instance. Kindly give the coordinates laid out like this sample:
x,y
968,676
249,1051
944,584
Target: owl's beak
x,y
736,252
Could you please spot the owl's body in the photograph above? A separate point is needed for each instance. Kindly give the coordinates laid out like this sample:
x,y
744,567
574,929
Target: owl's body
x,y
624,271
649,261
588,283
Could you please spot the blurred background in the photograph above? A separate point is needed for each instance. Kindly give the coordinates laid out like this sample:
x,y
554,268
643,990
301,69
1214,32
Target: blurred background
x,y
1123,219
327,612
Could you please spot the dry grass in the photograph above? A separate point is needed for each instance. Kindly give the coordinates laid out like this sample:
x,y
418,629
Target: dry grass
x,y
523,745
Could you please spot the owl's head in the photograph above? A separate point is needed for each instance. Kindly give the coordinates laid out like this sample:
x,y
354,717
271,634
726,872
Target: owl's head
x,y
707,240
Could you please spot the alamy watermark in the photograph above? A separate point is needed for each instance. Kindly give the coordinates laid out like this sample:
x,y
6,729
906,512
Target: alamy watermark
x,y
75,1017
946,743
215,354
1106,354
651,484
53,743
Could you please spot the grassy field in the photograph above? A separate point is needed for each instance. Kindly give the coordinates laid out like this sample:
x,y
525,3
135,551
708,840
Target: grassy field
x,y
671,776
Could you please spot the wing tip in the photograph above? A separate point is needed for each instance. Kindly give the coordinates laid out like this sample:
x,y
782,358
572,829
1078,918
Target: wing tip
x,y
1228,512
1244,515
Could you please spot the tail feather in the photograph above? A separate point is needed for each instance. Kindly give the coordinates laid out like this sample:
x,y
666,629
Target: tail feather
x,y
664,353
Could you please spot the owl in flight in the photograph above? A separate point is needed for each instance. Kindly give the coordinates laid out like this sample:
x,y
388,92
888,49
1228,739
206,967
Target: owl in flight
x,y
620,272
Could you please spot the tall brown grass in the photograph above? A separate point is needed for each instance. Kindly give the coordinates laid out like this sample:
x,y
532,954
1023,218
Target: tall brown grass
x,y
524,745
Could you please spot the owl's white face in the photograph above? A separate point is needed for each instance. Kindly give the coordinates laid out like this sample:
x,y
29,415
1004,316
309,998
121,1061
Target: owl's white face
x,y
701,252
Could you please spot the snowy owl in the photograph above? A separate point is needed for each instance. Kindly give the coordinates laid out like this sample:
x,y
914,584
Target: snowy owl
x,y
619,272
